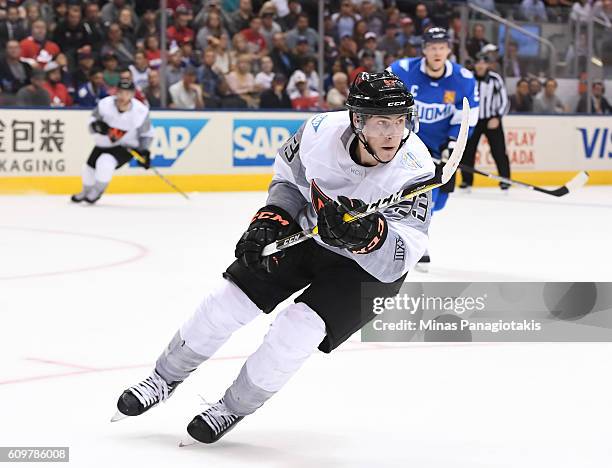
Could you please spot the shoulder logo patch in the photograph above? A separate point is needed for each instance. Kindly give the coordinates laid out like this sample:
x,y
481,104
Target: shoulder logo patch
x,y
317,120
411,161
466,73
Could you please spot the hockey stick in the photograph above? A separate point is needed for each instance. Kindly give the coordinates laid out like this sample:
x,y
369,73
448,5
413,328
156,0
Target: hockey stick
x,y
138,157
442,176
577,181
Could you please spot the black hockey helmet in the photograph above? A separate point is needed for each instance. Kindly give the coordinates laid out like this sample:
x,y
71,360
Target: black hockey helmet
x,y
435,35
379,94
127,84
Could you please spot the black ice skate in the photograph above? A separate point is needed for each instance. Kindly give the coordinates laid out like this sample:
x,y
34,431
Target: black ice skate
x,y
423,264
143,396
79,197
212,424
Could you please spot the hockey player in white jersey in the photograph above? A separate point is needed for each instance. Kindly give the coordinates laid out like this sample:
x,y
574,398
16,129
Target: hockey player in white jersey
x,y
119,124
336,161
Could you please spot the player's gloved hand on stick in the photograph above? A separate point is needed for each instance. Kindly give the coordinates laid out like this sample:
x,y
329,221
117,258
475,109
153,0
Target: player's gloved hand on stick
x,y
269,224
447,149
100,126
361,236
145,160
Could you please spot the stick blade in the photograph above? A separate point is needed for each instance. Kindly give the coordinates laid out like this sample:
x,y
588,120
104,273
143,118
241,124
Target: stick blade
x,y
455,158
576,183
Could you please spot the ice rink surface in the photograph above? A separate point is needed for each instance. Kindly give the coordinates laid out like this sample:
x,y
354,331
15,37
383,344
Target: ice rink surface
x,y
89,296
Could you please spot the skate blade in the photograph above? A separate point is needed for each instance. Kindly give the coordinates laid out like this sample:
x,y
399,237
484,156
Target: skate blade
x,y
187,442
118,417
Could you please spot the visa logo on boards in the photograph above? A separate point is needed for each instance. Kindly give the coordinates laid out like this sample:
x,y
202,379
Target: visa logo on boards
x,y
171,138
597,143
256,142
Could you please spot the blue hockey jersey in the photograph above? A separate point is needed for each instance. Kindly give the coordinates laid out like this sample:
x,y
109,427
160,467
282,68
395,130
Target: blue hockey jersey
x,y
439,101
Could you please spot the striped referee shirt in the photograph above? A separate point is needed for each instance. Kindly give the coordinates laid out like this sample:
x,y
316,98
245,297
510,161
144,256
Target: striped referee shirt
x,y
493,95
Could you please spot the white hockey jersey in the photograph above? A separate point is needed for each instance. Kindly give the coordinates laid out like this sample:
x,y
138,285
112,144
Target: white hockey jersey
x,y
315,165
131,128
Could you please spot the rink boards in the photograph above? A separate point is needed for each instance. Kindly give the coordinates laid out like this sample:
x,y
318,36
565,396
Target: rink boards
x,y
44,150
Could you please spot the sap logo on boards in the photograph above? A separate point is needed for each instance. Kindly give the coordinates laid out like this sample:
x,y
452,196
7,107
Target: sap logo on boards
x,y
256,142
171,138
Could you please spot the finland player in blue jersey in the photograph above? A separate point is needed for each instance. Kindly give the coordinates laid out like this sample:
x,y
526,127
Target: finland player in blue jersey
x,y
438,87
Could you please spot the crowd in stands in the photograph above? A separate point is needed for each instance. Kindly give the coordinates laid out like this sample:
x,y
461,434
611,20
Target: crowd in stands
x,y
245,53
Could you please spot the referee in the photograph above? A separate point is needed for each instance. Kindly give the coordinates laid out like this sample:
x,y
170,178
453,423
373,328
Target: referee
x,y
493,105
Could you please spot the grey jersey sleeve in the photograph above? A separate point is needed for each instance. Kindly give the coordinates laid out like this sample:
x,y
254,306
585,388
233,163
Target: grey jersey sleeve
x,y
407,238
289,176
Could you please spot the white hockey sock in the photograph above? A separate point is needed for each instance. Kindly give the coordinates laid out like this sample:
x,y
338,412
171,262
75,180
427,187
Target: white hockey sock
x,y
223,311
88,176
293,337
105,167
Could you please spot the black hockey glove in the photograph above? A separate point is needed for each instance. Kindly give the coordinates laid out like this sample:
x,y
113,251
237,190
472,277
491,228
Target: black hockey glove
x,y
446,149
270,223
100,126
361,236
145,159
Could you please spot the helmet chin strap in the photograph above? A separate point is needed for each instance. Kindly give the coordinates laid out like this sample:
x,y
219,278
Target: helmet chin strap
x,y
366,145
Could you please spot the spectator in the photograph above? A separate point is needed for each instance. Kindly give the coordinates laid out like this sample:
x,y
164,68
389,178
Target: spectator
x,y
406,35
303,98
308,71
477,41
110,72
599,103
366,65
223,61
441,13
255,41
93,23
58,93
388,60
387,45
337,95
110,11
548,102
32,14
512,64
371,45
282,58
152,52
521,101
372,16
421,19
289,20
302,29
180,31
602,9
556,12
86,63
348,50
263,79
14,74
454,32
34,94
361,28
118,45
345,20
241,81
140,70
229,99
147,25
269,27
153,92
209,78
212,29
59,9
581,11
240,48
276,96
190,59
37,47
12,27
533,10
71,32
174,69
186,94
127,24
90,92
240,19
535,87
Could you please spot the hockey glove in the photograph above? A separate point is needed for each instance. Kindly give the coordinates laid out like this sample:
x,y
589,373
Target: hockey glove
x,y
446,150
361,236
269,224
145,159
100,126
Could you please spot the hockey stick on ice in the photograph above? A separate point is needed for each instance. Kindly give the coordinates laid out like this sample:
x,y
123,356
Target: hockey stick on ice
x,y
138,157
577,182
442,175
